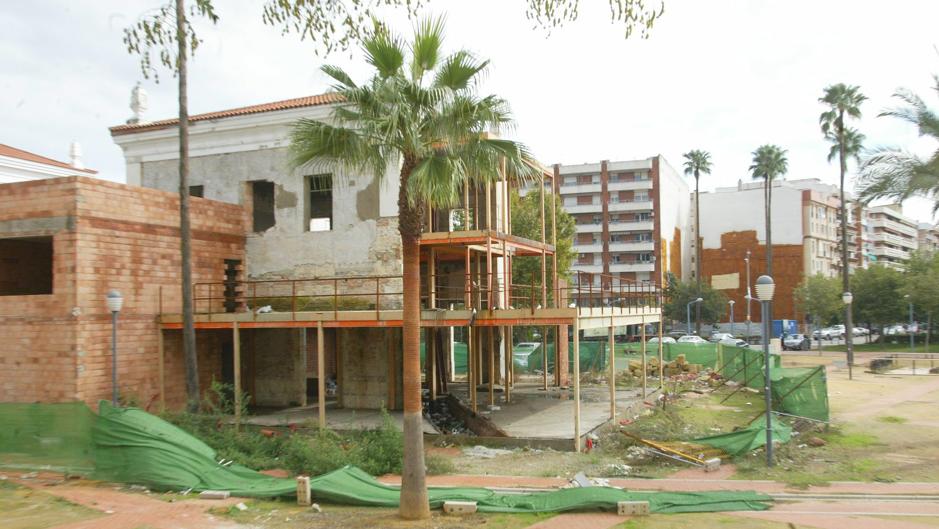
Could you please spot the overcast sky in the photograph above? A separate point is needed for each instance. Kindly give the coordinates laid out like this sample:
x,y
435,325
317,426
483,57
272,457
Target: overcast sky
x,y
724,76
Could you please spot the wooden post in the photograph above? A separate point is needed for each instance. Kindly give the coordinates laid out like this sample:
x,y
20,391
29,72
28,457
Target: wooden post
x,y
492,366
431,349
466,217
236,365
544,358
577,384
554,238
642,337
161,368
507,362
510,343
489,298
661,355
432,280
303,362
613,374
470,367
321,374
544,258
467,283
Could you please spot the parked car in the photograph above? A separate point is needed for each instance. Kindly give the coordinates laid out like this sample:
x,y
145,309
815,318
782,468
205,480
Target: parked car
x,y
861,331
665,339
718,336
521,353
734,342
797,342
692,339
828,333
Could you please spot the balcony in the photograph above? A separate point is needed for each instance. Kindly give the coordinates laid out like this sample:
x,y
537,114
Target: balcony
x,y
588,248
629,186
590,268
893,239
893,225
576,189
590,228
582,208
632,267
636,225
892,252
632,246
643,205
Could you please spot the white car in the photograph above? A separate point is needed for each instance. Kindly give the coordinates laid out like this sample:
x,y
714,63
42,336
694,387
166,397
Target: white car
x,y
692,339
720,336
665,339
734,342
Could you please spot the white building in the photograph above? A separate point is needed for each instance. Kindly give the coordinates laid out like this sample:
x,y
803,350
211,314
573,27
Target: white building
x,y
893,236
17,165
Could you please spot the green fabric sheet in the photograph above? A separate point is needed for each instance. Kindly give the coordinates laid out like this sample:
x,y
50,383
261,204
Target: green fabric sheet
x,y
747,439
47,436
351,486
132,446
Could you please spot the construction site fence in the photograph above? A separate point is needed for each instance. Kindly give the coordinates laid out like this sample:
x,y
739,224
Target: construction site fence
x,y
594,356
800,391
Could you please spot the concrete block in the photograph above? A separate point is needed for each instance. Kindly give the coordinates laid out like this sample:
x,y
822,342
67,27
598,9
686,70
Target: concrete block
x,y
712,464
632,508
214,495
459,507
304,494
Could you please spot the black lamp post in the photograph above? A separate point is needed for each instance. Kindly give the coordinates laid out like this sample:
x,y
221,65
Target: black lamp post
x,y
765,287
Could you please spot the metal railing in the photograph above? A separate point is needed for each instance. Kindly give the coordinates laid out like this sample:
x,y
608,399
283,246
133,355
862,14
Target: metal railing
x,y
376,293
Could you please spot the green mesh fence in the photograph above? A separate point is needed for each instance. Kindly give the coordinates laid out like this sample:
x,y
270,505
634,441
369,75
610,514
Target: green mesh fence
x,y
796,390
593,356
47,436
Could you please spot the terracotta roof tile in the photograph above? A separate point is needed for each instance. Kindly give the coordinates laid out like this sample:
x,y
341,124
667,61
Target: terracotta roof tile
x,y
308,101
13,152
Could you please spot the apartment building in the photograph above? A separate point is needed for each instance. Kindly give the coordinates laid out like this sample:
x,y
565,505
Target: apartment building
x,y
892,235
928,239
632,218
806,237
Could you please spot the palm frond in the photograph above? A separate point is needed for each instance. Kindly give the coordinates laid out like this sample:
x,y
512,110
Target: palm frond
x,y
459,71
437,180
384,51
425,50
339,75
314,144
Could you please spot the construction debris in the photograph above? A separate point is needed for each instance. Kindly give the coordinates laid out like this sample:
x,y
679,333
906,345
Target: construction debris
x,y
214,495
483,452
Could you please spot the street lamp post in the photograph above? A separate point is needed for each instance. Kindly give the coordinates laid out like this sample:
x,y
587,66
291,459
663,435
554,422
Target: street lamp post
x,y
748,297
688,310
910,328
764,292
115,301
731,302
847,298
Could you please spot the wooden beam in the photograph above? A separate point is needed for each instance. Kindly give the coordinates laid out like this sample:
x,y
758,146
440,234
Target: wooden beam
x,y
321,375
492,366
236,365
577,446
554,237
507,363
431,349
471,368
643,338
544,358
661,354
612,369
161,369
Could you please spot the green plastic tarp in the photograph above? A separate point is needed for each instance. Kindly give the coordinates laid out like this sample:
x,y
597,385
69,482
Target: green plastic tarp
x,y
351,486
749,438
132,446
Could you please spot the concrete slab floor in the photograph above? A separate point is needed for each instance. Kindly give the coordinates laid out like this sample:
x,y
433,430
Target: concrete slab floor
x,y
339,419
538,414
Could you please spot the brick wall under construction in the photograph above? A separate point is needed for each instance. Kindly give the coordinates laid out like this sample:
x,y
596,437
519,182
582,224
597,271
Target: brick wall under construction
x,y
104,236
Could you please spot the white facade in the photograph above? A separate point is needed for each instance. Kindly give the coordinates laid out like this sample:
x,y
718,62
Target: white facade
x,y
17,165
893,236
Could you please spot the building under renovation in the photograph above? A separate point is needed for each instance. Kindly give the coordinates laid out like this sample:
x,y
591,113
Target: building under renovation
x,y
300,306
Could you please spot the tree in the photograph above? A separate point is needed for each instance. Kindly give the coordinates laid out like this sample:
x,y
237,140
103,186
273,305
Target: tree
x,y
697,162
420,112
843,101
335,26
819,297
526,222
892,172
878,296
921,284
679,293
769,163
156,34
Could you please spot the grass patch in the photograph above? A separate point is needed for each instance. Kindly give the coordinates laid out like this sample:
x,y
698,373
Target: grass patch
x,y
376,451
700,521
892,419
837,438
438,464
884,348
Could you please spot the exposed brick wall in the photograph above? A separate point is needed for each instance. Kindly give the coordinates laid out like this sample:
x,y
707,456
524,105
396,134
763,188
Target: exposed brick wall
x,y
788,271
105,236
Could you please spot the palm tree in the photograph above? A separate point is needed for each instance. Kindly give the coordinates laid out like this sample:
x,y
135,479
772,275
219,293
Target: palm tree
x,y
769,163
697,162
843,101
419,111
892,172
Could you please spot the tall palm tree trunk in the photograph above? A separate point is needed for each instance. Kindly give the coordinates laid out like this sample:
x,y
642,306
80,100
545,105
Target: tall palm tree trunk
x,y
697,251
845,275
185,240
414,501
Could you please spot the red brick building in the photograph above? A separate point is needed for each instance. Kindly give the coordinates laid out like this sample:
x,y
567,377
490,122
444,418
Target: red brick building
x,y
64,243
